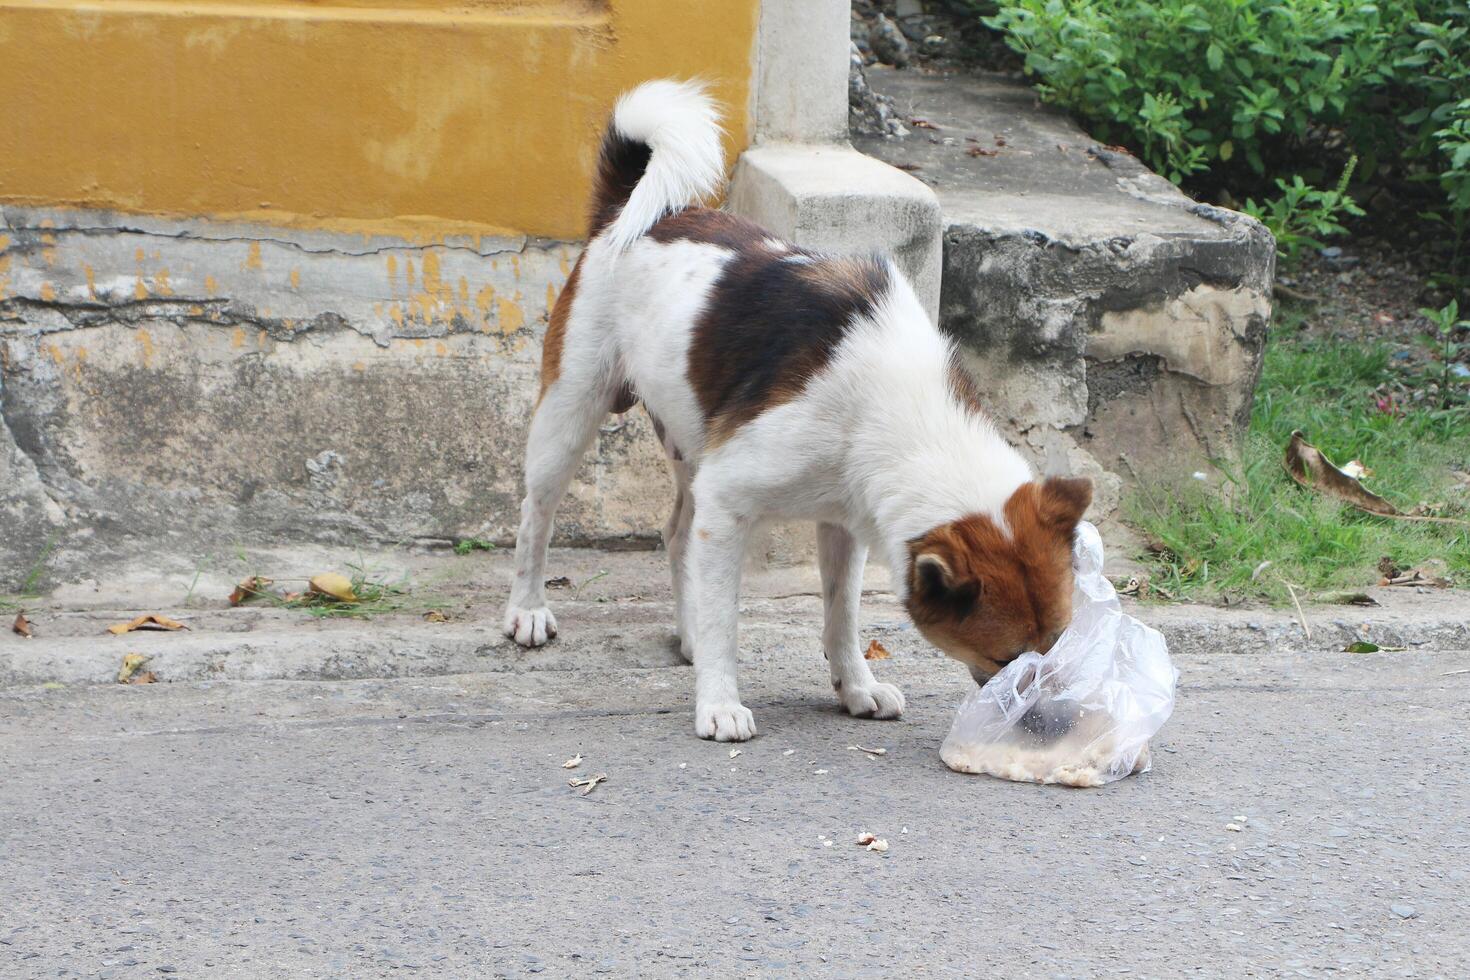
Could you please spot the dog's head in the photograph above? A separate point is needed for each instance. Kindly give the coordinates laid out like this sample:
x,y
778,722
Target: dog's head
x,y
987,591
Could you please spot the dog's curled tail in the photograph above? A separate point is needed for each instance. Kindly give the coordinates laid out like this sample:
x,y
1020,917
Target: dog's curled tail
x,y
662,151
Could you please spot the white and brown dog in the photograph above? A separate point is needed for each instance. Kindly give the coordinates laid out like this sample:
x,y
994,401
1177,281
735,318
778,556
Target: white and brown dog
x,y
784,384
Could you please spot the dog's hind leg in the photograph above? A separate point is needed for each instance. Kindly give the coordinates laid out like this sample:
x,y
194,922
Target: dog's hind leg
x,y
841,560
676,541
564,425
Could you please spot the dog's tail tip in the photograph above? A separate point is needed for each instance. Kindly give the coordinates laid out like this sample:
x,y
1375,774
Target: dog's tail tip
x,y
662,152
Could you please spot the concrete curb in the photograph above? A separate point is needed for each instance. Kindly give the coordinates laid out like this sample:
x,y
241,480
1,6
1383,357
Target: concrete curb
x,y
601,637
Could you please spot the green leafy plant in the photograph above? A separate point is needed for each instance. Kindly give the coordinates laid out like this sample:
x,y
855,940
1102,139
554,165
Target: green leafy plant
x,y
1302,216
1447,324
466,545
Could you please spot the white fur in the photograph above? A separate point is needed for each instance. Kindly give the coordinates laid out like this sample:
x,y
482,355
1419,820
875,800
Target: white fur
x,y
680,124
876,449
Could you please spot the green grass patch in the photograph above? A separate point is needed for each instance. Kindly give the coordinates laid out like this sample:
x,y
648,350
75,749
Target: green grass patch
x,y
1352,402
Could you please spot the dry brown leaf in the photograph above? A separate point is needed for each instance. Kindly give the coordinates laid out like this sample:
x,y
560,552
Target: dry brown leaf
x,y
1433,573
331,585
1306,465
131,663
144,677
22,625
436,616
908,167
588,783
151,621
559,582
919,122
876,651
980,151
253,587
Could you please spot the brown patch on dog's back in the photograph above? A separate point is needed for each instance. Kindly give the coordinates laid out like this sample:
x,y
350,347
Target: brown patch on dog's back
x,y
984,596
710,227
772,321
556,330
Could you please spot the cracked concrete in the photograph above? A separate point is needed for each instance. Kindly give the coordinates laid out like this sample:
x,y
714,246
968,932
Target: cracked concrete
x,y
188,385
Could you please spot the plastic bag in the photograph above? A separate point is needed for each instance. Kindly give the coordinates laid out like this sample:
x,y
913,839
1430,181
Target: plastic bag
x,y
1081,715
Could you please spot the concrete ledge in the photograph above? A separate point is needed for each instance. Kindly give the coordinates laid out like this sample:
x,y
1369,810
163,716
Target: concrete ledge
x,y
617,615
1113,325
836,199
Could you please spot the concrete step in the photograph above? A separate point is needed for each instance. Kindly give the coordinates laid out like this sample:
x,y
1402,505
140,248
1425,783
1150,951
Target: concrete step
x,y
1113,326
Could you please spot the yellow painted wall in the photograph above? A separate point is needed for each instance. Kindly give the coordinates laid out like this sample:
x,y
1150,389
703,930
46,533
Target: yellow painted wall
x,y
376,115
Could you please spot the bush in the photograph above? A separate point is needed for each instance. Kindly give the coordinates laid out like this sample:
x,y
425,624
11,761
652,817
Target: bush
x,y
1234,93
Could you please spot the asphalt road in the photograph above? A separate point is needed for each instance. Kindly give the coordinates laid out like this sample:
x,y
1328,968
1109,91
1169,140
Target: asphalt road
x,y
373,827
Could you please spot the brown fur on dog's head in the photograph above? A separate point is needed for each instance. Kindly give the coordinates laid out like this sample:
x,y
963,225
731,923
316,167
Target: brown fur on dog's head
x,y
985,596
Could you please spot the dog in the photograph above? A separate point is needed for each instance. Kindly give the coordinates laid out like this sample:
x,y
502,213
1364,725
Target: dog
x,y
783,384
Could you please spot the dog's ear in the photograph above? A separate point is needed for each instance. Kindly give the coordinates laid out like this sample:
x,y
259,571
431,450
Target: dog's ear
x,y
933,578
1063,502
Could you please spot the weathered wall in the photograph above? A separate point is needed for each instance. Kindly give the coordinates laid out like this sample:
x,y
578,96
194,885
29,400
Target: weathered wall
x,y
193,385
279,268
385,115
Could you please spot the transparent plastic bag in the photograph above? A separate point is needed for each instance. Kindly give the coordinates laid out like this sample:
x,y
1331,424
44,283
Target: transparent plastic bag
x,y
1083,714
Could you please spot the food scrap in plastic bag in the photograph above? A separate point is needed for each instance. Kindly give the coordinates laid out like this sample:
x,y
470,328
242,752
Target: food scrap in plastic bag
x,y
1081,715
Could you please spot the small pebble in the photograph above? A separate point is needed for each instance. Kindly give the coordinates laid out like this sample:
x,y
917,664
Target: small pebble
x,y
1233,826
1405,911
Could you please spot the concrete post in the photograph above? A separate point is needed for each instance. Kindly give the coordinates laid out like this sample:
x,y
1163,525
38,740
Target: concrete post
x,y
802,179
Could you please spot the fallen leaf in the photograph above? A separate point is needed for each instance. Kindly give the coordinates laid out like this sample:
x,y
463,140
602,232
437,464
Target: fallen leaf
x,y
253,587
1309,468
876,651
1361,646
873,752
919,122
436,616
1432,573
559,582
588,783
152,621
144,677
1347,598
332,586
1000,140
980,151
908,167
130,665
573,762
1135,585
22,625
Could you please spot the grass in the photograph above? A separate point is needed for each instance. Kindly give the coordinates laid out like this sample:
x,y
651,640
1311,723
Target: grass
x,y
1214,538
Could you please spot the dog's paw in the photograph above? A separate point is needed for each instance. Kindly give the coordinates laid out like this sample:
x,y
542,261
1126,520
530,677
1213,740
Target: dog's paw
x,y
530,627
725,722
874,701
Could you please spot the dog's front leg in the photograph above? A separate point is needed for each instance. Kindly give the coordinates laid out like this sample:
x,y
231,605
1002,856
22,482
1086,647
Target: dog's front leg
x,y
716,550
841,560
